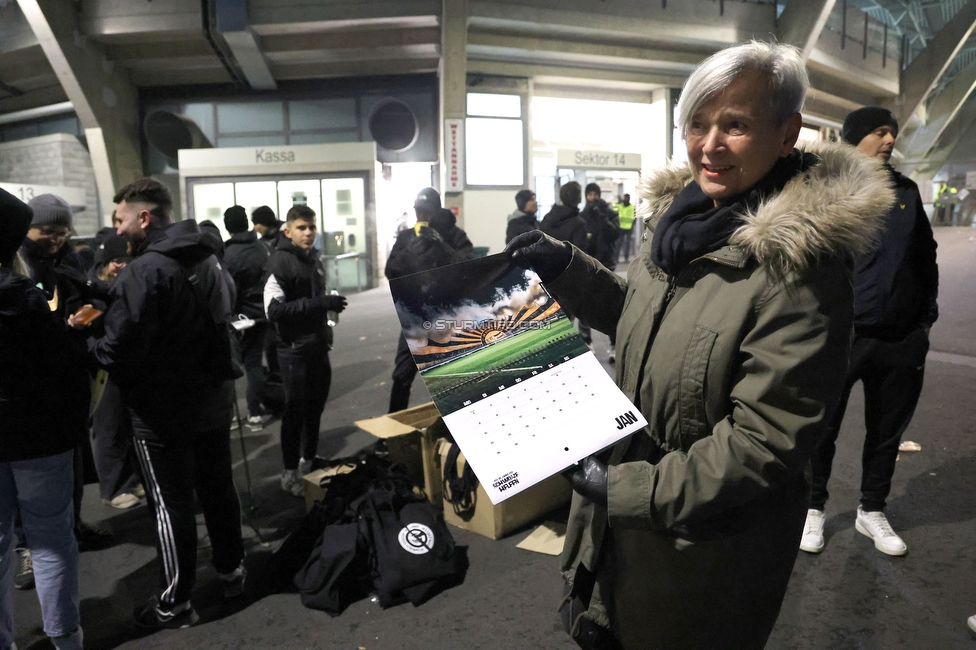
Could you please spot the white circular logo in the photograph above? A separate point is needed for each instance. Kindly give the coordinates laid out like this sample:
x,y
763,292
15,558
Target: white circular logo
x,y
416,538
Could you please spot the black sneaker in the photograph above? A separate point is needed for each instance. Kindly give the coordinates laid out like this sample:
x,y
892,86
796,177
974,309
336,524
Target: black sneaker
x,y
92,538
233,582
151,617
24,574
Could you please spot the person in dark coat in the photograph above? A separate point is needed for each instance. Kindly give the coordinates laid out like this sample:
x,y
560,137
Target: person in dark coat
x,y
896,286
602,227
425,246
524,218
43,365
563,222
297,304
268,227
246,260
56,269
166,346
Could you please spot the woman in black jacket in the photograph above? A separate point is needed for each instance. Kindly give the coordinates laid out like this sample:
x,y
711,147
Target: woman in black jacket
x,y
43,367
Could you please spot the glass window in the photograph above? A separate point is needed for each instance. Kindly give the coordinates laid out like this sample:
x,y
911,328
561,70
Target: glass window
x,y
311,114
251,141
209,202
493,151
343,215
484,104
252,194
301,192
250,117
323,138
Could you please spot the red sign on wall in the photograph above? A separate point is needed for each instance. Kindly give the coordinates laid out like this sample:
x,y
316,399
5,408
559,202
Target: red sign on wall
x,y
454,155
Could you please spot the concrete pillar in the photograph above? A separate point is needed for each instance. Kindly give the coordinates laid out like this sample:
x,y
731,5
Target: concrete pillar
x,y
453,74
106,102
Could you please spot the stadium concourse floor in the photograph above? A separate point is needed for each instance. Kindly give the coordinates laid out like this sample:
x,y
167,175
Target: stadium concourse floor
x,y
850,596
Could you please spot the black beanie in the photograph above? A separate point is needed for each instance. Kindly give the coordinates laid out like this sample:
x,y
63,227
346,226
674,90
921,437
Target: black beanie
x,y
523,197
863,121
235,219
15,221
115,247
264,216
592,187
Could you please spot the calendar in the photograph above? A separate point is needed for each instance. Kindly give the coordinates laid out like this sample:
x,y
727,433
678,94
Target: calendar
x,y
519,389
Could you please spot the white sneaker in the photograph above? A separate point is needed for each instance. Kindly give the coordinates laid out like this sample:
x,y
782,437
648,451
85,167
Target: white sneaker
x,y
813,539
972,622
254,423
875,525
122,501
291,482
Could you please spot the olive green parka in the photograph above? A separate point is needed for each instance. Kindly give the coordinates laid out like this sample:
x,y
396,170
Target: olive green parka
x,y
737,364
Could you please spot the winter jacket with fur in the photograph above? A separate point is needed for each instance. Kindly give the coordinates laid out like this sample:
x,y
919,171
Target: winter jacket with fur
x,y
737,365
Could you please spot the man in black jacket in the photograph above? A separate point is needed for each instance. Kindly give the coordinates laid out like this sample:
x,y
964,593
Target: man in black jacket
x,y
564,223
297,304
246,259
602,227
433,242
896,286
524,218
267,226
164,334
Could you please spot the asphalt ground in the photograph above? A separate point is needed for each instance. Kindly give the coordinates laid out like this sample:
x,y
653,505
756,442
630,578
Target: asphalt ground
x,y
849,596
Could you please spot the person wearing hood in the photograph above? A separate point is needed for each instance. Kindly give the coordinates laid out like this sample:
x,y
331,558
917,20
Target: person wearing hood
x,y
524,218
43,366
246,259
896,287
733,335
602,227
564,222
421,248
163,331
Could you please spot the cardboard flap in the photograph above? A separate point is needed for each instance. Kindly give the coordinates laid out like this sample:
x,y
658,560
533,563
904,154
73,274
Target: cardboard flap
x,y
401,423
547,539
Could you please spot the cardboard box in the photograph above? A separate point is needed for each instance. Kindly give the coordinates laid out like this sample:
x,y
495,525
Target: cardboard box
x,y
495,521
317,482
411,437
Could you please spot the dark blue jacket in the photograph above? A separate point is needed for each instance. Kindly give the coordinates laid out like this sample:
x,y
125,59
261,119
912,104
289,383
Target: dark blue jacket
x,y
160,338
896,285
44,386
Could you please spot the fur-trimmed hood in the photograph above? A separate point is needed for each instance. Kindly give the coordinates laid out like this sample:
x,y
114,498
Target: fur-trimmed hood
x,y
835,207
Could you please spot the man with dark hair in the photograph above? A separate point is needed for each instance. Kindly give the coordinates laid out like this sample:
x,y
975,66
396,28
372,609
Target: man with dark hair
x,y
428,245
246,259
896,287
267,225
602,227
524,218
297,304
164,334
564,223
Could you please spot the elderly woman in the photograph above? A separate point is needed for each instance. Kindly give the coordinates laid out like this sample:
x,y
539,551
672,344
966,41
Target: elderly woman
x,y
733,328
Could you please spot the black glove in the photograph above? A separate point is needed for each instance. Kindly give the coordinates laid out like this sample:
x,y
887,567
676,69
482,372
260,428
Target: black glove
x,y
543,254
590,480
335,303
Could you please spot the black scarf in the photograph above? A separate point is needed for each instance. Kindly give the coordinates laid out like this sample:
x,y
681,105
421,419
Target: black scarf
x,y
694,226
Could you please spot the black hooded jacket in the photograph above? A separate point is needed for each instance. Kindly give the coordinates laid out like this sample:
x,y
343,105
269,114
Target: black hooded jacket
x,y
445,223
423,247
565,224
295,298
896,285
602,228
246,259
160,332
44,386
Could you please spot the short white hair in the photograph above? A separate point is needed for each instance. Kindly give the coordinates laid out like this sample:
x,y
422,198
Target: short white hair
x,y
781,64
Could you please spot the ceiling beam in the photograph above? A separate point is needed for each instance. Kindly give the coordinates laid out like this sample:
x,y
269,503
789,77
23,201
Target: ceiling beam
x,y
946,147
801,24
924,72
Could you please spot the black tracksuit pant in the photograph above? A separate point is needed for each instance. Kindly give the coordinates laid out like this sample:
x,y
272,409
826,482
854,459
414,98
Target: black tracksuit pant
x,y
404,372
174,468
307,377
892,376
252,350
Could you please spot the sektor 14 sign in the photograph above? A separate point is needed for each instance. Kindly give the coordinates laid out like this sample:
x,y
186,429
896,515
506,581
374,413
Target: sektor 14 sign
x,y
588,159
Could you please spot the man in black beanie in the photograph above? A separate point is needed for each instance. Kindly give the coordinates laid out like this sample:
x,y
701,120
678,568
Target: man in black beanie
x,y
602,227
524,218
895,290
268,227
246,259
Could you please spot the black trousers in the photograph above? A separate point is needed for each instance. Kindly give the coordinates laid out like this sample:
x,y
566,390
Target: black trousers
x,y
174,468
253,343
307,377
892,375
404,371
111,438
